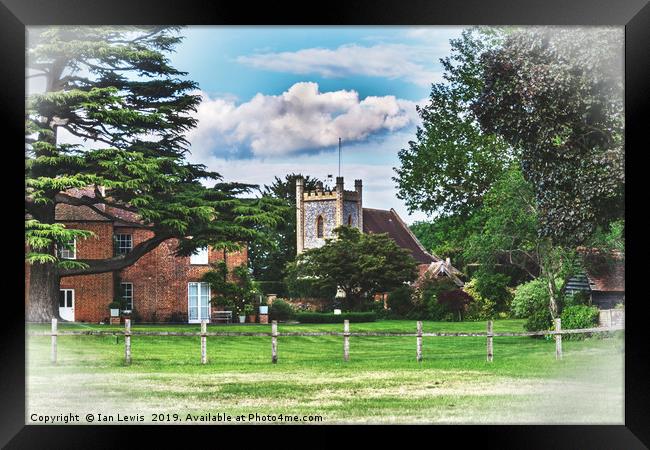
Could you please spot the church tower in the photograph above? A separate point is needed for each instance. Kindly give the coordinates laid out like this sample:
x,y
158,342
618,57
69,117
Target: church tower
x,y
320,211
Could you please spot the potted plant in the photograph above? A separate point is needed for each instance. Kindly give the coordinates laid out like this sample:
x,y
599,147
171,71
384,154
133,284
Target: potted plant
x,y
242,314
249,311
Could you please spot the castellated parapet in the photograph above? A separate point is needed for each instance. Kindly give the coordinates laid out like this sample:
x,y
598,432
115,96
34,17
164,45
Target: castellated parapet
x,y
320,211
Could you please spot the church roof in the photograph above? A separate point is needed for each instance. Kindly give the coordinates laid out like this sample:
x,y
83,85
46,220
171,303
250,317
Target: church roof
x,y
388,221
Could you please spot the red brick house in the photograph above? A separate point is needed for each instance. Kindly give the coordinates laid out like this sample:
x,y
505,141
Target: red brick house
x,y
159,287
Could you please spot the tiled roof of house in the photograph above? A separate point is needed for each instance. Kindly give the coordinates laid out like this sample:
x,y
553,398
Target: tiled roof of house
x,y
605,270
72,213
439,269
383,221
611,278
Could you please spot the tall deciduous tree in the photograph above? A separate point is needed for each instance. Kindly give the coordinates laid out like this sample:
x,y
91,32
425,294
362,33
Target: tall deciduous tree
x,y
556,95
359,264
114,89
452,162
509,236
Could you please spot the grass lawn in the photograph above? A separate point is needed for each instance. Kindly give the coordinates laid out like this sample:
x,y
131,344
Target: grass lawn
x,y
382,382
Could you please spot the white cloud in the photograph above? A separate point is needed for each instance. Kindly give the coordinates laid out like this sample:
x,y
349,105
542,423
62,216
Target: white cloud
x,y
376,171
412,63
300,118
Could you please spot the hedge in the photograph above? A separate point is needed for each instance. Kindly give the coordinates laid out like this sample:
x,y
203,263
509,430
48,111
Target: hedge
x,y
308,317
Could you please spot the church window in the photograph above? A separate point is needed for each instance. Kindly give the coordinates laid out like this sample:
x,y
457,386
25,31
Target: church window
x,y
319,227
350,220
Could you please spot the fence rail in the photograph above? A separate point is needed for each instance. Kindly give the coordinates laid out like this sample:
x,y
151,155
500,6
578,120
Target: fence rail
x,y
346,334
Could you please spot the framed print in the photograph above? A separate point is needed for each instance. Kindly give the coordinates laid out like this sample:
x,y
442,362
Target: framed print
x,y
368,214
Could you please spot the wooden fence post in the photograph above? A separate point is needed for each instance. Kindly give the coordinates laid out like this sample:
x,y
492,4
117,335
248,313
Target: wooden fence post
x,y
53,349
127,341
274,342
558,339
204,352
419,342
490,341
346,340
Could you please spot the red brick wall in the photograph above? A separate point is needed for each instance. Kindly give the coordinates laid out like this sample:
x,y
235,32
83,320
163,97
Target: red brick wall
x,y
93,293
159,278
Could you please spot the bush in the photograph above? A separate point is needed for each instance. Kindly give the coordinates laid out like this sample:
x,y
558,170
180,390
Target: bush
x,y
378,308
456,301
531,302
435,311
400,301
493,288
579,316
576,298
481,308
281,311
429,292
305,317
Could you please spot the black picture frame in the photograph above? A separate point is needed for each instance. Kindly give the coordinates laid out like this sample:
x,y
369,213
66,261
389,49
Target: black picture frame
x,y
15,15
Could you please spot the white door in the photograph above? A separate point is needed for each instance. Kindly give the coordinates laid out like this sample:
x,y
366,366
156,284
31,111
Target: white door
x,y
198,302
66,304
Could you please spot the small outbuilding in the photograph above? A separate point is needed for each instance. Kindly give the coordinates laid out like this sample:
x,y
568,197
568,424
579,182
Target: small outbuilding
x,y
603,279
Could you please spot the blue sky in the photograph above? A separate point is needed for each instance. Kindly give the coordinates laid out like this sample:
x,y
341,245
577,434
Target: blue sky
x,y
276,99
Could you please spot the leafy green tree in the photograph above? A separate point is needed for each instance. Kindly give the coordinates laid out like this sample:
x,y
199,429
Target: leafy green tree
x,y
235,288
556,95
510,237
114,89
447,236
452,162
359,264
268,257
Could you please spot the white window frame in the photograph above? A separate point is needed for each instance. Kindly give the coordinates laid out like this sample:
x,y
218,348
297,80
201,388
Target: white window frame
x,y
118,248
61,251
200,257
198,301
122,287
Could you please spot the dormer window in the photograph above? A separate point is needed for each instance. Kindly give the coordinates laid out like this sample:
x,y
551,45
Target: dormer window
x,y
68,250
200,256
319,227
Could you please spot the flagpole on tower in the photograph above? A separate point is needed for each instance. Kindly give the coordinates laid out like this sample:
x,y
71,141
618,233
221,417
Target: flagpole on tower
x,y
339,156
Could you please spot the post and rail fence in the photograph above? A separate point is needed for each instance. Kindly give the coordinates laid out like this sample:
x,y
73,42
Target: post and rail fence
x,y
419,334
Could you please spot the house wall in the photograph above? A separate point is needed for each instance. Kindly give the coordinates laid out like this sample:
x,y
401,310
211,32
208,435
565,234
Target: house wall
x,y
93,293
607,300
159,278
